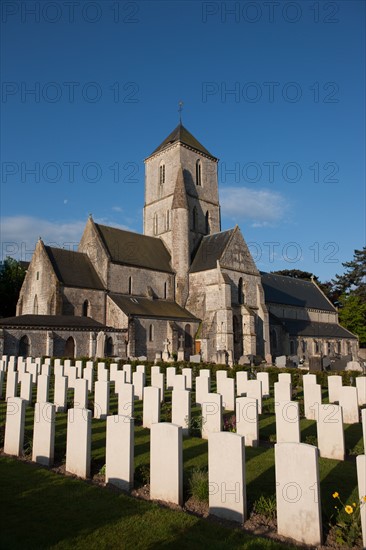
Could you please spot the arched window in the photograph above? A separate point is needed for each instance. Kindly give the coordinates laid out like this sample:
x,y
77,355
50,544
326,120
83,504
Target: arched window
x,y
240,291
165,290
151,333
24,346
86,308
236,329
207,223
303,346
70,347
198,172
316,346
161,179
108,347
155,224
35,305
194,218
349,348
339,347
130,285
161,174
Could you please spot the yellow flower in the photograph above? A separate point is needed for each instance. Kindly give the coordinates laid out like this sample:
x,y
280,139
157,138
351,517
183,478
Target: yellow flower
x,y
364,498
349,509
354,504
335,495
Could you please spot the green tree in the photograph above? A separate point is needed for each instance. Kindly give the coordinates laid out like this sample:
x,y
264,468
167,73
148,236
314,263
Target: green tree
x,y
354,280
11,279
352,315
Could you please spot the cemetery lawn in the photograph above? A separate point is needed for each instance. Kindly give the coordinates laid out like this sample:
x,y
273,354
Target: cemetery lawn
x,y
42,509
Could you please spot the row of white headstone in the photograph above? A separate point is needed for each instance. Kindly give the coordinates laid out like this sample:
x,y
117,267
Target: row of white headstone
x,y
297,488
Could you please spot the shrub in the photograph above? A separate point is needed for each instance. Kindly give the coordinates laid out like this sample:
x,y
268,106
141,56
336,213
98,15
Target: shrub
x,y
142,474
195,425
311,440
198,484
266,506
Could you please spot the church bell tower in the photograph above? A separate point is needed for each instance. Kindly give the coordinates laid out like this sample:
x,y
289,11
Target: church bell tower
x,y
181,200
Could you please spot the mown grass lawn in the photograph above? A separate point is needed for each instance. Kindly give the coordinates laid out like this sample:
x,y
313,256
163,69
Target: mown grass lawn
x,y
41,509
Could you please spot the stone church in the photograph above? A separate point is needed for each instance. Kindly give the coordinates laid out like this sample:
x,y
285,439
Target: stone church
x,y
184,285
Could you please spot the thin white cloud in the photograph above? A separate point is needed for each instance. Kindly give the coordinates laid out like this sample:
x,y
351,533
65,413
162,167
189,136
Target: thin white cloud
x,y
19,234
117,209
261,207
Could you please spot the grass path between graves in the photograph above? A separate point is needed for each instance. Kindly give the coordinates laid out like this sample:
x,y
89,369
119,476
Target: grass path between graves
x,y
41,509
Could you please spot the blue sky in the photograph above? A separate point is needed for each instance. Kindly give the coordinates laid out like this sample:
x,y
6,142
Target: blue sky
x,y
274,89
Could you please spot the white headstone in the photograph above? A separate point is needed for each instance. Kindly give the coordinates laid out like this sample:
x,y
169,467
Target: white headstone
x,y
14,426
113,369
11,384
138,384
119,451
349,402
226,387
264,378
119,380
78,442
44,433
81,394
312,400
26,387
151,406
361,390
142,368
103,373
166,463
211,414
330,432
285,377
247,420
334,388
361,479
226,475
205,372
126,400
181,409
241,383
363,421
60,394
88,375
287,422
282,391
157,380
79,368
170,375
297,492
179,382
188,376
71,375
354,365
254,389
101,399
43,384
220,375
202,389
155,370
281,361
128,370
46,370
308,379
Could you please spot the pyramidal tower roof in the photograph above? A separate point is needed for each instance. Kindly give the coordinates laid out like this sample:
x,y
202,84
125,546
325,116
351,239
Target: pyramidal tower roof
x,y
182,135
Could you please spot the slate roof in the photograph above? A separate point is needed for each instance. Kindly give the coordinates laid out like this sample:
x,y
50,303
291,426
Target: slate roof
x,y
53,321
145,307
74,268
210,250
279,289
318,330
128,248
182,135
